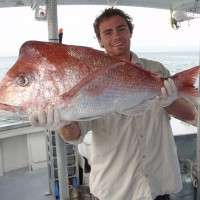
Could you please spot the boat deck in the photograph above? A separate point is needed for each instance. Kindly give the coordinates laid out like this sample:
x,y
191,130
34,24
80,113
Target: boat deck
x,y
24,185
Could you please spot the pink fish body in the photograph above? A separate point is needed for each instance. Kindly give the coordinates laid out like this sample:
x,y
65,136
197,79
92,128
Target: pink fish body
x,y
82,82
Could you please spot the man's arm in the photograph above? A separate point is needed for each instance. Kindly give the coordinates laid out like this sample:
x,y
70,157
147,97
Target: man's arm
x,y
180,108
50,118
183,110
70,132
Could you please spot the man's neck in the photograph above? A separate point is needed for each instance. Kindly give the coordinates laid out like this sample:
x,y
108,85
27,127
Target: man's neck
x,y
127,57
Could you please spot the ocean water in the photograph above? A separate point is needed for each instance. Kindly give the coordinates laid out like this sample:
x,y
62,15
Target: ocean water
x,y
174,61
5,64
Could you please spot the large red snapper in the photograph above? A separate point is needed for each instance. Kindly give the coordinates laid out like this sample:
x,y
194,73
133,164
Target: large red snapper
x,y
82,82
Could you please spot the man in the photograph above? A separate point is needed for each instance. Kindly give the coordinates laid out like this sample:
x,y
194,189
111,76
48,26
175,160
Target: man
x,y
133,157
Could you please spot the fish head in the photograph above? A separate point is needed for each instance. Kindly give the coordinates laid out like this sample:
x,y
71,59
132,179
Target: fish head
x,y
34,80
71,78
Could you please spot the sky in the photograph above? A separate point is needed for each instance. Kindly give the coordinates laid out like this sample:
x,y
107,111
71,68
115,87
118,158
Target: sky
x,y
152,29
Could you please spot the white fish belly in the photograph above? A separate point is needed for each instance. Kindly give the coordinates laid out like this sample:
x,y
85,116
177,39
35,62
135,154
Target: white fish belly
x,y
84,106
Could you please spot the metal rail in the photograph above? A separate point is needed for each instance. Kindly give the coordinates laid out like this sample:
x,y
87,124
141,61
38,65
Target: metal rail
x,y
198,144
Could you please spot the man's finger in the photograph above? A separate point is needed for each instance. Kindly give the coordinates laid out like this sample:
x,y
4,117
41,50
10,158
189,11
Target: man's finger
x,y
164,92
50,115
173,86
33,118
42,118
167,87
57,119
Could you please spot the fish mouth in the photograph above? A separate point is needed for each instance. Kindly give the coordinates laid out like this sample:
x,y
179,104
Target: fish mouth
x,y
10,112
10,108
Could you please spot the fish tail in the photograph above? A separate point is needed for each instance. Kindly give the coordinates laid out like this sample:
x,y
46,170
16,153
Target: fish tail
x,y
187,83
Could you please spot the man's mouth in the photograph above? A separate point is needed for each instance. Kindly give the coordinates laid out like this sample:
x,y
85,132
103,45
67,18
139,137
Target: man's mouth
x,y
118,44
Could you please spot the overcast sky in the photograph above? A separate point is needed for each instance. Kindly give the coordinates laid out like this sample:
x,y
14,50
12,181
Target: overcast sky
x,y
152,29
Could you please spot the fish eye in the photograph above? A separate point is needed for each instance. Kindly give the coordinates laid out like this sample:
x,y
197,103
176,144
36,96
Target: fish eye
x,y
22,80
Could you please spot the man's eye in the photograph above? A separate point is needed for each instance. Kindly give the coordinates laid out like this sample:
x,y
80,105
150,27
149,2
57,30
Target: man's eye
x,y
121,29
107,33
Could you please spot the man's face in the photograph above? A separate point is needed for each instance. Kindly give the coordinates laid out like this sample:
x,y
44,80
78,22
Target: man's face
x,y
115,36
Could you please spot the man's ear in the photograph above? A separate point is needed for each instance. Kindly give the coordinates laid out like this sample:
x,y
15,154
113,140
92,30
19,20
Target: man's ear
x,y
132,30
100,43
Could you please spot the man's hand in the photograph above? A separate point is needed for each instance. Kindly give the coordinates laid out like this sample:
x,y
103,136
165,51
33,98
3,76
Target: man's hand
x,y
47,118
179,108
71,133
169,93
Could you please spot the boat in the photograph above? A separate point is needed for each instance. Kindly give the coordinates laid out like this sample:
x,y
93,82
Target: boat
x,y
34,160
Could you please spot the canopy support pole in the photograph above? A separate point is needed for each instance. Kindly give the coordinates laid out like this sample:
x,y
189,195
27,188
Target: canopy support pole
x,y
198,142
52,20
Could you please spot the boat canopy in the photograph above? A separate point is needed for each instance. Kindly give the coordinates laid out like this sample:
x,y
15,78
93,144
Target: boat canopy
x,y
186,5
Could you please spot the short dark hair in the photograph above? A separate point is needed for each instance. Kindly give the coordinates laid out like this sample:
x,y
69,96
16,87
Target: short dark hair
x,y
109,12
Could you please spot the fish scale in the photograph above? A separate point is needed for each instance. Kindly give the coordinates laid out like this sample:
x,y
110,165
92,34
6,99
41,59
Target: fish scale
x,y
83,83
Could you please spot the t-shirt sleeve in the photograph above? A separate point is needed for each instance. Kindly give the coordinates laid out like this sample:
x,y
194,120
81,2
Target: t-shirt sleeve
x,y
85,127
155,67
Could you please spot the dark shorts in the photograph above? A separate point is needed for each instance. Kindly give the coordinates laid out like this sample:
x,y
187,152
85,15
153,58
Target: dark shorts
x,y
163,197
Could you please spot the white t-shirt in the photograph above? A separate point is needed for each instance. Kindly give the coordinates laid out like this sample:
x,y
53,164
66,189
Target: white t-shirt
x,y
84,147
133,157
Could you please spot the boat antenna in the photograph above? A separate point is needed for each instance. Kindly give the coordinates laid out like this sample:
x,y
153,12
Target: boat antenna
x,y
60,35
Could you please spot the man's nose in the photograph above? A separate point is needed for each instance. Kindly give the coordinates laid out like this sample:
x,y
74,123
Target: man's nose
x,y
116,34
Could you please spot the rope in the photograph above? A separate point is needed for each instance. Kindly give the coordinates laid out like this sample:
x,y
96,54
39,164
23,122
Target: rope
x,y
189,168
